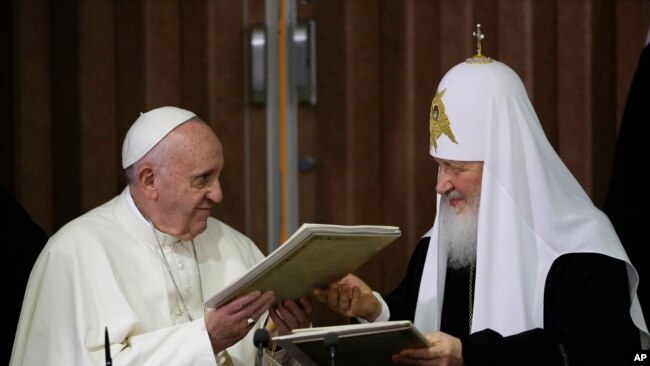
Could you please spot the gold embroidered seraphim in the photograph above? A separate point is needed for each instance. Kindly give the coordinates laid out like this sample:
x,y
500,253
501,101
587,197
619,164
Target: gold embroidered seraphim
x,y
438,120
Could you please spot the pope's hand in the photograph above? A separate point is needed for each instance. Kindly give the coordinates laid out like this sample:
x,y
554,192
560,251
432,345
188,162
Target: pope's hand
x,y
445,350
288,315
350,297
230,323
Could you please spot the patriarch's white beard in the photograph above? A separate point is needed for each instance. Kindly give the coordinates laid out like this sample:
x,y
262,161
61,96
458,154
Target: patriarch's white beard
x,y
459,230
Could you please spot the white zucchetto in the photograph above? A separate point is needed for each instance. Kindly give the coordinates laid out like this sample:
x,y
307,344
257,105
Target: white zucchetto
x,y
149,129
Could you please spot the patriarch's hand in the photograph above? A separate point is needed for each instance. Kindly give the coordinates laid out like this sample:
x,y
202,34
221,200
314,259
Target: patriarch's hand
x,y
445,350
350,297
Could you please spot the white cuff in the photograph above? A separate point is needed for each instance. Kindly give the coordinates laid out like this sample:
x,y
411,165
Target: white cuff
x,y
385,312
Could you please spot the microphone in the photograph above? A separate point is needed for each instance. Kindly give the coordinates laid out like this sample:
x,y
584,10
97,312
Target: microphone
x,y
331,342
565,358
261,339
107,348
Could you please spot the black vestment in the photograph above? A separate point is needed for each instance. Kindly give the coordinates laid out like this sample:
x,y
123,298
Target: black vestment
x,y
586,310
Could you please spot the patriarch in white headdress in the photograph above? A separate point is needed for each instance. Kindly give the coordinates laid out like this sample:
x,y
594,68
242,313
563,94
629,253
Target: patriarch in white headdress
x,y
532,210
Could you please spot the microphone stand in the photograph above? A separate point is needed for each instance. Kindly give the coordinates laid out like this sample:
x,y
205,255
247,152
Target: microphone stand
x,y
261,339
331,342
107,348
565,358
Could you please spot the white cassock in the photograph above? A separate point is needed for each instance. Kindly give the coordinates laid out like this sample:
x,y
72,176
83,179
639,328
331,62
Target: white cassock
x,y
104,269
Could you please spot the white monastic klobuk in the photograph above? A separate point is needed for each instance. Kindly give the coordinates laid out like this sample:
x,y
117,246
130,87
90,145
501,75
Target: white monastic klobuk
x,y
532,209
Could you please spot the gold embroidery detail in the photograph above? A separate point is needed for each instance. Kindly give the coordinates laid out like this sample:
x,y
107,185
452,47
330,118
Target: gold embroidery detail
x,y
438,121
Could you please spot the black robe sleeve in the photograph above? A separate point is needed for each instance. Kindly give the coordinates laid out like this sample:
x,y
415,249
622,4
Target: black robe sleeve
x,y
403,300
586,311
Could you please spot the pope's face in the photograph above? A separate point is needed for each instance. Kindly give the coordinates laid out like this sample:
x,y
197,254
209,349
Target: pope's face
x,y
188,184
460,181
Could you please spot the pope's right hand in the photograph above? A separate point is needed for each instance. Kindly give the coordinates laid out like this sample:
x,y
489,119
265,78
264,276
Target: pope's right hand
x,y
350,297
230,323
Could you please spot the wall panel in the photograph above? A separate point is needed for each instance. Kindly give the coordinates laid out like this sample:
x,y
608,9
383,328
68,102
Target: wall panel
x,y
226,114
162,52
75,77
97,104
574,80
34,180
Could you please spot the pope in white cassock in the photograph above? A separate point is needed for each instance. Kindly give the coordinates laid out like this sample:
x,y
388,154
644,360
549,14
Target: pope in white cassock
x,y
141,264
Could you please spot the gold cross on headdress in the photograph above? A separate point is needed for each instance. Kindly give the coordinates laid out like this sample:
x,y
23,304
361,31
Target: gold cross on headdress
x,y
479,58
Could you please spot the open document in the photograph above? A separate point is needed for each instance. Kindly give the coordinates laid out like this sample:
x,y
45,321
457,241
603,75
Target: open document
x,y
358,344
314,256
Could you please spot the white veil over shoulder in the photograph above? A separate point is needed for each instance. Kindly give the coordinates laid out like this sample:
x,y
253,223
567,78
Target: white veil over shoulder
x,y
532,209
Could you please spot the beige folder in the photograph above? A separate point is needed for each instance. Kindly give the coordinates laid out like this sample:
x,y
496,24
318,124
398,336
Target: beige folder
x,y
314,256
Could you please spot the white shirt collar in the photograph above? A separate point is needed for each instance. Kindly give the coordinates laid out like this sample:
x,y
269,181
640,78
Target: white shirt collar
x,y
134,208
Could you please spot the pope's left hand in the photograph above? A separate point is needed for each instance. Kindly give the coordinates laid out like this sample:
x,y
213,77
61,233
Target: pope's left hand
x,y
445,350
288,315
